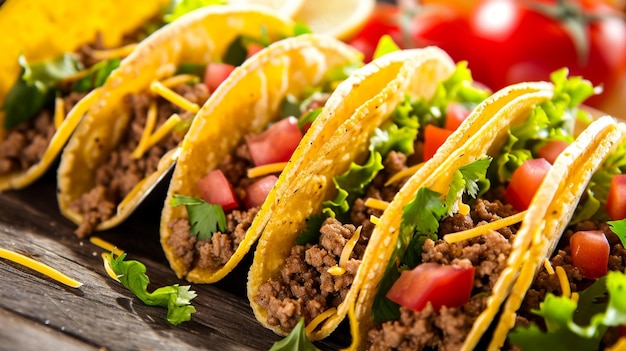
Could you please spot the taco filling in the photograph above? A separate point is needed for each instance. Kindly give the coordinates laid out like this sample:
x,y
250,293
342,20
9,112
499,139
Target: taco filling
x,y
235,191
323,264
159,119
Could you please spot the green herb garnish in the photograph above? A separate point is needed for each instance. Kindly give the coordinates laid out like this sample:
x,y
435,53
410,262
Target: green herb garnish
x,y
205,219
182,7
295,341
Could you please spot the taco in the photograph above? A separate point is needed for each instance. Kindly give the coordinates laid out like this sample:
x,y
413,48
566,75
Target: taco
x,y
448,248
129,139
239,142
308,258
51,64
570,292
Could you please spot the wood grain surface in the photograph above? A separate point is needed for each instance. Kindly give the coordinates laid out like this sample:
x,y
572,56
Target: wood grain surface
x,y
37,313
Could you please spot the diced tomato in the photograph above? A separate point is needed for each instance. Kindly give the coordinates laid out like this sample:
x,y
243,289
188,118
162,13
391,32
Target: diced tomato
x,y
276,144
616,201
455,115
551,150
441,285
525,181
434,137
216,73
256,193
590,253
621,330
216,189
254,48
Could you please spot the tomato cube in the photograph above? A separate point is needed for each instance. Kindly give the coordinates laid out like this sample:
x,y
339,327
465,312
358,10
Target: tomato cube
x,y
276,144
616,200
257,192
552,149
216,189
590,253
441,285
455,115
525,181
434,137
216,73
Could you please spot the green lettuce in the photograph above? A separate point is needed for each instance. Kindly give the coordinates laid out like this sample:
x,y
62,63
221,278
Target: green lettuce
x,y
177,299
578,325
96,75
182,7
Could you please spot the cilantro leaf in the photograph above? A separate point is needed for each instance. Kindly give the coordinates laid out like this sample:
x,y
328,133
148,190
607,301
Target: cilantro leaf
x,y
619,228
466,180
352,184
295,341
97,75
312,231
205,219
577,325
177,299
34,88
385,46
182,7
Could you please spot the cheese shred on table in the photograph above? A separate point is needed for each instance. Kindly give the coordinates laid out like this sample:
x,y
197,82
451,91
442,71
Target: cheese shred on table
x,y
39,267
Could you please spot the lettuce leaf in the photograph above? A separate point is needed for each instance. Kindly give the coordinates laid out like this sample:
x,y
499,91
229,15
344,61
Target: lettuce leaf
x,y
205,219
177,299
619,228
96,76
182,7
385,46
577,326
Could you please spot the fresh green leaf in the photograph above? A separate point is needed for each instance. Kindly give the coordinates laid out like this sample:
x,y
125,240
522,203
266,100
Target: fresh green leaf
x,y
182,7
393,138
96,76
205,219
312,232
177,299
236,52
295,341
577,325
195,69
619,228
385,46
301,28
466,180
34,88
309,117
353,183
290,107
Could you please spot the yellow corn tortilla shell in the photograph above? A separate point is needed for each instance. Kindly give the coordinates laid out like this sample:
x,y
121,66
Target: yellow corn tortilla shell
x,y
415,72
194,38
245,103
42,30
483,133
565,184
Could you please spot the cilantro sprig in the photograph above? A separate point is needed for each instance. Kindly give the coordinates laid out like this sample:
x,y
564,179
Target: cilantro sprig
x,y
577,325
205,219
295,341
177,299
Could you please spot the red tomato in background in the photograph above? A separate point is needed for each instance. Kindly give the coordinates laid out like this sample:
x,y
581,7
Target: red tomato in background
x,y
616,201
455,115
551,150
507,42
216,73
434,137
525,181
385,19
441,285
590,253
256,193
276,144
216,189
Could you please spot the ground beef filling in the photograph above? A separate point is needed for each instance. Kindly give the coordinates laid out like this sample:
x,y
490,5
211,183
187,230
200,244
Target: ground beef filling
x,y
120,173
304,288
25,145
546,283
214,253
447,328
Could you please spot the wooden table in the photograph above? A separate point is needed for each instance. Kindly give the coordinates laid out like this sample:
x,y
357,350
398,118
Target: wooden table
x,y
37,313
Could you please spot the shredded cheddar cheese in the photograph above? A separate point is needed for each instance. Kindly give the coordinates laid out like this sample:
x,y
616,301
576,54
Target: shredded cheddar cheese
x,y
105,245
548,266
564,281
106,258
374,219
255,172
171,96
120,52
39,267
403,174
347,250
59,111
159,134
575,297
464,208
151,118
319,319
179,79
376,204
482,229
354,329
336,270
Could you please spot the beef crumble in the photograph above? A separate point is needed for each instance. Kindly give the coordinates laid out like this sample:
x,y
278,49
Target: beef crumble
x,y
116,177
447,328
